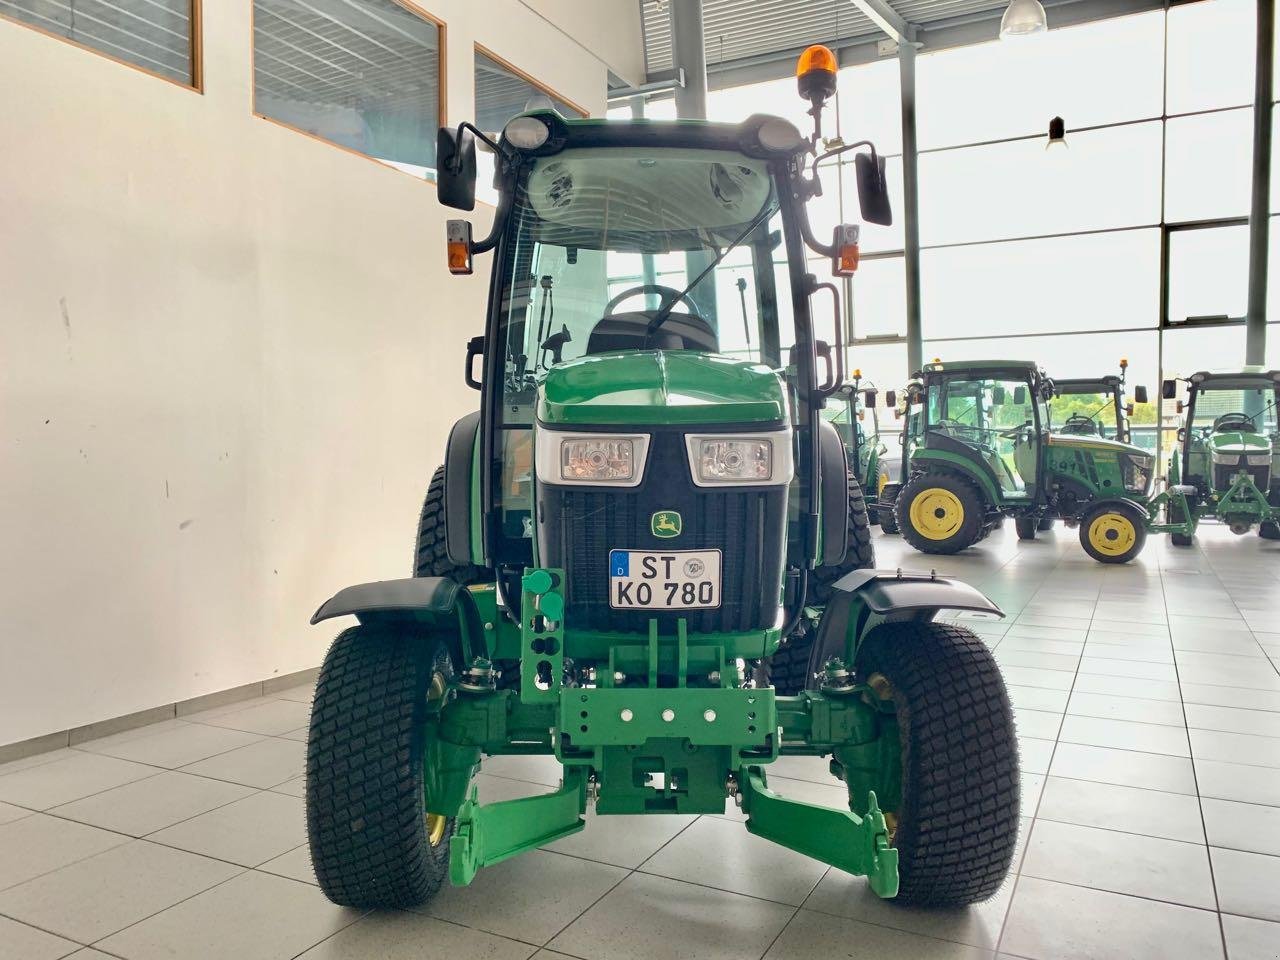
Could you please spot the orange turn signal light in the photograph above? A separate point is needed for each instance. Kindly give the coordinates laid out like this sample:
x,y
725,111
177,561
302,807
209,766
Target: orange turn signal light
x,y
844,250
458,246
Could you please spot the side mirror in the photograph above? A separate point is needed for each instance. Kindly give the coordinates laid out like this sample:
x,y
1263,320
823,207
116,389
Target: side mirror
x,y
1140,394
999,395
1019,396
868,399
456,168
873,189
891,398
1168,389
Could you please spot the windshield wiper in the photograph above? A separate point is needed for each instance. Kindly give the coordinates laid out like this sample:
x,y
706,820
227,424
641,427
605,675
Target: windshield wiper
x,y
663,313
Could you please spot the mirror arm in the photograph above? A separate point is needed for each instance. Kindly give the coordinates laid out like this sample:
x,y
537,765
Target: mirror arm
x,y
455,167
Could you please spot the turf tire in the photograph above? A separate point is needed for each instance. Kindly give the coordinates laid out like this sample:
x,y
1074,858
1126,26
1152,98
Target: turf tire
x,y
1026,527
1135,517
888,498
958,820
1174,514
1045,524
365,802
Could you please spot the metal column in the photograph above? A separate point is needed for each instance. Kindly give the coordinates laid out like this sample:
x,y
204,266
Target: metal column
x,y
910,205
1259,214
690,55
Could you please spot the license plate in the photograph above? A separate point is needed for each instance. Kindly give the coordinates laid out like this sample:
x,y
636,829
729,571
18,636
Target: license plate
x,y
664,580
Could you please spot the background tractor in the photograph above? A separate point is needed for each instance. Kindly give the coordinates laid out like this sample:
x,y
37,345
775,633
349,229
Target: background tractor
x,y
1226,466
1098,407
648,500
981,449
852,411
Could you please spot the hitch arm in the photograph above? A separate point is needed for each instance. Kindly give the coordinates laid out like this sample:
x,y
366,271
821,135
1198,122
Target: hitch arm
x,y
857,845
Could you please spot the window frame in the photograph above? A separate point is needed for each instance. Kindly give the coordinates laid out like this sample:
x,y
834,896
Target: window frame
x,y
196,17
524,75
409,6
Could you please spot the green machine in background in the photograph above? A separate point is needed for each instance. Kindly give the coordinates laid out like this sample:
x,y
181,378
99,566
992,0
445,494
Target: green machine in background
x,y
852,411
1100,407
981,449
647,503
1226,466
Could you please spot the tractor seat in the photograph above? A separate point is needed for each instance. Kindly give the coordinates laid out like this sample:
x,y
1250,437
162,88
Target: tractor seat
x,y
626,331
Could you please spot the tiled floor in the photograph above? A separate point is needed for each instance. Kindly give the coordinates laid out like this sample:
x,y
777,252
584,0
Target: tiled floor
x,y
1148,704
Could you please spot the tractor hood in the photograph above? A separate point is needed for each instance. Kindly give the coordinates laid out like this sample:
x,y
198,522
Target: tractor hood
x,y
1233,443
658,387
1081,442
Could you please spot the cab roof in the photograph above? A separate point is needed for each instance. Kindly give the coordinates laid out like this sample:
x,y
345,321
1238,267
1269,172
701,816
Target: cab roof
x,y
1025,367
1087,384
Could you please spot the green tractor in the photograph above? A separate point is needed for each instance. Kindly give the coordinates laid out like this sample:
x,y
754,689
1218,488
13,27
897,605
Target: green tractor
x,y
1096,406
981,450
641,510
1226,466
849,411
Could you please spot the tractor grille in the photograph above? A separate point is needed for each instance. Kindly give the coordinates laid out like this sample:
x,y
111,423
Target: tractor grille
x,y
1223,476
578,526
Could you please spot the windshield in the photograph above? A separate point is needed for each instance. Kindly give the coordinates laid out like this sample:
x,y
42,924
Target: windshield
x,y
615,250
1089,414
1244,407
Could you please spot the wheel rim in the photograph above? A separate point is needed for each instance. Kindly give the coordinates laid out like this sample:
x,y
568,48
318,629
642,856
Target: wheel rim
x,y
1112,534
937,513
436,822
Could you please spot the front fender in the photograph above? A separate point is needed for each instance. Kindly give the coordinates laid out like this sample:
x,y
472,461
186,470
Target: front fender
x,y
435,602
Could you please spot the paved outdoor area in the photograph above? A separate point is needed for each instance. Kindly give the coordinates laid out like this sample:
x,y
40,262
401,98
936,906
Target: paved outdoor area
x,y
1148,704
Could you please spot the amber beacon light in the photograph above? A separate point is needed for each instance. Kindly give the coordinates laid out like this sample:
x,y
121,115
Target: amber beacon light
x,y
816,73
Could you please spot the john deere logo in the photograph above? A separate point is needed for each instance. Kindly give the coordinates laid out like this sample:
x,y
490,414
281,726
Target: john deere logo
x,y
666,523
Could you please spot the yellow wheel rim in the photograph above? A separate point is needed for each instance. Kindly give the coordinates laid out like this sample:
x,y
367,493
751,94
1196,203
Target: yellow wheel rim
x,y
937,513
436,823
1112,534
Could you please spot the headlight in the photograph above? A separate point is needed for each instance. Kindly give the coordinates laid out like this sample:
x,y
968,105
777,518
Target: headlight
x,y
728,460
1259,459
1227,459
593,458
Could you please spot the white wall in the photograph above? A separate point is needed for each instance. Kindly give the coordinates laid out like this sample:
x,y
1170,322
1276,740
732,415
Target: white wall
x,y
229,359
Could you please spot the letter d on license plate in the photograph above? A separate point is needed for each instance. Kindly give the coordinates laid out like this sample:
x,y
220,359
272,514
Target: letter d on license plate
x,y
665,580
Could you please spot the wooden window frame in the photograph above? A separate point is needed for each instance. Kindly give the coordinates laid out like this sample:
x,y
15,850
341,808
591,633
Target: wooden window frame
x,y
442,82
528,78
196,83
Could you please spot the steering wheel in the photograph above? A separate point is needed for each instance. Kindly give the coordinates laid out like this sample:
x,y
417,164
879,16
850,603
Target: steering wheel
x,y
669,296
1078,423
1234,421
1015,433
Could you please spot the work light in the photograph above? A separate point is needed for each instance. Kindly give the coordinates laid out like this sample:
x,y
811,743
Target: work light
x,y
722,460
608,459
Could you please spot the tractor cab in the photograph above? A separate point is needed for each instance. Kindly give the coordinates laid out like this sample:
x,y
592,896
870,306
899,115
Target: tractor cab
x,y
1095,406
1227,462
852,411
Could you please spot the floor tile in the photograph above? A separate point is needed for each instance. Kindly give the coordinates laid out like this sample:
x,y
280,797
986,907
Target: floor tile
x,y
1250,672
251,917
248,832
1037,698
39,843
1235,747
300,694
36,760
1013,657
1242,826
69,779
296,865
1247,883
1071,648
1106,707
1156,652
1125,767
811,935
146,806
1235,781
1127,687
535,769
541,893
1034,755
1037,677
843,895
10,813
1242,697
1250,939
95,897
1037,723
294,787
1128,669
269,719
1057,921
650,918
1152,813
21,942
1125,735
1120,862
624,841
174,747
1233,720
722,854
262,764
411,936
